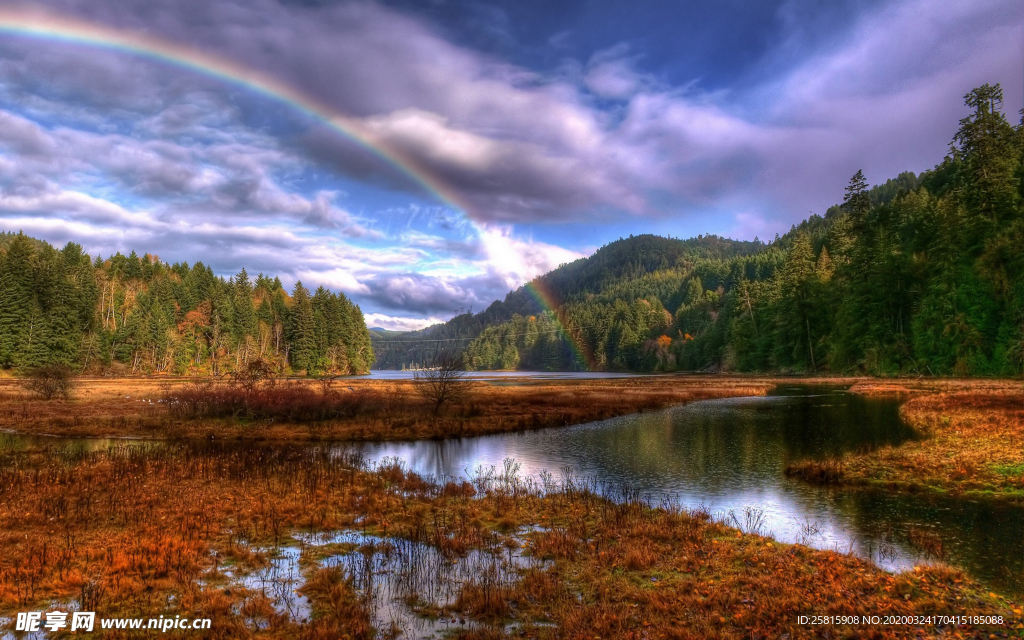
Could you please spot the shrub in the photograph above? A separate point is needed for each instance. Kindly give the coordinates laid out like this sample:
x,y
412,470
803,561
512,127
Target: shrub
x,y
51,381
293,403
445,381
256,374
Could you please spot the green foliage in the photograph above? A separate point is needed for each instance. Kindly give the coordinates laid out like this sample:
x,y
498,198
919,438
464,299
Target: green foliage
x,y
138,314
920,275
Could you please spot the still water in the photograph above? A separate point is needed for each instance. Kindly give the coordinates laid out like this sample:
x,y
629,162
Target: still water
x,y
728,456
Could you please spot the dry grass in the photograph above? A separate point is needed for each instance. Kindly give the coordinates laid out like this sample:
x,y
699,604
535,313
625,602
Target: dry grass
x,y
350,409
973,441
144,531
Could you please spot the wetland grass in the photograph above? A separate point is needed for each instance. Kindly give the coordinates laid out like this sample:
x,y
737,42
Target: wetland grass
x,y
971,442
347,409
201,529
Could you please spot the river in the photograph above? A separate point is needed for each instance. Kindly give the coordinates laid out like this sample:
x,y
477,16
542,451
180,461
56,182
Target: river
x,y
727,456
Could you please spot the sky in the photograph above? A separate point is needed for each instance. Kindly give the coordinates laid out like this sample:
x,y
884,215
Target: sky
x,y
481,143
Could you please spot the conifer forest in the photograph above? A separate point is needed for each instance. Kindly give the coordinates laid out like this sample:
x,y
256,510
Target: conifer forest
x,y
135,314
921,275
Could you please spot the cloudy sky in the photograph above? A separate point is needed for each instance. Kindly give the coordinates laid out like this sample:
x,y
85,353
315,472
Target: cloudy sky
x,y
550,128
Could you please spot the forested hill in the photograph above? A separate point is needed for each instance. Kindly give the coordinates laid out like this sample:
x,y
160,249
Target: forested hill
x,y
920,275
623,262
131,314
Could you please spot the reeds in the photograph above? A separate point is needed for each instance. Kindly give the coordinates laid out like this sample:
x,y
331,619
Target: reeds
x,y
342,410
126,528
826,471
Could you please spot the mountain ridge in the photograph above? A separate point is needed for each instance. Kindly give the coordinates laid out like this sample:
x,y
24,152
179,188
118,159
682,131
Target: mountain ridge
x,y
919,275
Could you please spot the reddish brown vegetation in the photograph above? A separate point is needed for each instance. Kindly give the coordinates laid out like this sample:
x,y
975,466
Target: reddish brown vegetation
x,y
973,442
125,529
289,403
348,409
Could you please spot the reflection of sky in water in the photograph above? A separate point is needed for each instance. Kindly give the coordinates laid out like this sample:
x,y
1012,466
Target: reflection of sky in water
x,y
729,455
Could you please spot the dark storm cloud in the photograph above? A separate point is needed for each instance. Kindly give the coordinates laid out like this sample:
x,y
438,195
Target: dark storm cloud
x,y
425,295
524,145
582,115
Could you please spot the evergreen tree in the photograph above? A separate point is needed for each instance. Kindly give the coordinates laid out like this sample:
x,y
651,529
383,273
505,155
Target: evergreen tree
x,y
302,330
15,301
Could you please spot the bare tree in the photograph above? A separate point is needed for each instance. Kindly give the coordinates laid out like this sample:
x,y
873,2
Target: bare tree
x,y
444,381
51,380
257,373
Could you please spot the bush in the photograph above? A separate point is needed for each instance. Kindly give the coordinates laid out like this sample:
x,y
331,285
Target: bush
x,y
255,375
444,382
295,403
51,381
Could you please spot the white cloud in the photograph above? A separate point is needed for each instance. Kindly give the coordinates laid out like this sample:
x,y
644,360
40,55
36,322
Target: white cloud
x,y
336,279
154,158
520,260
398,323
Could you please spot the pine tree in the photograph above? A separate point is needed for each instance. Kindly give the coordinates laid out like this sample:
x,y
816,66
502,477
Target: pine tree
x,y
985,143
302,329
15,300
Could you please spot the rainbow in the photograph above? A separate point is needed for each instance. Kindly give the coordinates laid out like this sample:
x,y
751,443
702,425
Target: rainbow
x,y
539,291
38,24
45,25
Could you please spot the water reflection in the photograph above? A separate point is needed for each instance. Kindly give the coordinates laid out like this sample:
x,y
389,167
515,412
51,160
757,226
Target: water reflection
x,y
728,456
392,374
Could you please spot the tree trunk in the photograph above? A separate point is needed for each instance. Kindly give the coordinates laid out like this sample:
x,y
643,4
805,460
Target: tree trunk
x,y
810,345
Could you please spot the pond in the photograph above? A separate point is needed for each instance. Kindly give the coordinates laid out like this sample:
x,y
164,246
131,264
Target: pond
x,y
728,456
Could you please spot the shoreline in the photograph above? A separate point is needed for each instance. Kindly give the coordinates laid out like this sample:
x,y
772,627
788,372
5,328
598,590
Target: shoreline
x,y
971,430
386,410
200,523
971,445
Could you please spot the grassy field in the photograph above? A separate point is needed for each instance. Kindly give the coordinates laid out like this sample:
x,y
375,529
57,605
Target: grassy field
x,y
171,529
972,441
347,409
192,525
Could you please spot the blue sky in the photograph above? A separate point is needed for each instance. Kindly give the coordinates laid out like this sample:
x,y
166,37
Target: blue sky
x,y
558,126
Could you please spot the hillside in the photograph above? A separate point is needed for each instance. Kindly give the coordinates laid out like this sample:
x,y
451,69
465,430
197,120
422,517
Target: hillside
x,y
131,314
919,275
621,262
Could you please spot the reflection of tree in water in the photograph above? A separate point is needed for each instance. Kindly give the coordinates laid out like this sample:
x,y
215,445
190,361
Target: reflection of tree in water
x,y
984,537
730,454
711,445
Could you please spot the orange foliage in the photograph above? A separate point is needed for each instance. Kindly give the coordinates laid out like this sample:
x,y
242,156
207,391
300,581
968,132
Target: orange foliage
x,y
144,530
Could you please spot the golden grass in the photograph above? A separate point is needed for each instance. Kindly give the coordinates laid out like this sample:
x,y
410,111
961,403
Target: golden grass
x,y
972,441
389,410
145,531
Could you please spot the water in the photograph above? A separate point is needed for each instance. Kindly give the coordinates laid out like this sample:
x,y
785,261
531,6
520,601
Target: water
x,y
406,584
728,456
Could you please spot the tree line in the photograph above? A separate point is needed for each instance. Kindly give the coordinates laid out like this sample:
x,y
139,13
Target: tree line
x,y
921,275
137,314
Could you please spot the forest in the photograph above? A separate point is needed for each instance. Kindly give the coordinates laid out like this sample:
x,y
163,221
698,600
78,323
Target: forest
x,y
921,275
139,315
